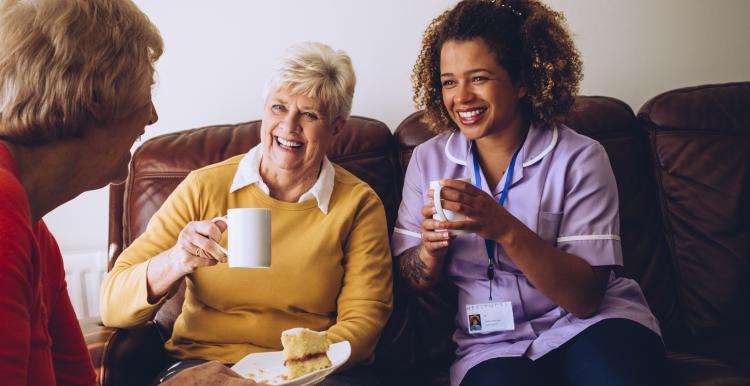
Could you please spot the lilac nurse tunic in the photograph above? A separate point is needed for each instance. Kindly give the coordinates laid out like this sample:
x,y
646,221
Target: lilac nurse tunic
x,y
562,188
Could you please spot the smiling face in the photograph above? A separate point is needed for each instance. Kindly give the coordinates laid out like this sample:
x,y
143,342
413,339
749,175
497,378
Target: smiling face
x,y
477,92
295,134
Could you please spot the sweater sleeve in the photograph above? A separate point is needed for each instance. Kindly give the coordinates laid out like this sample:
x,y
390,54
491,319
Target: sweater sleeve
x,y
366,298
123,298
16,286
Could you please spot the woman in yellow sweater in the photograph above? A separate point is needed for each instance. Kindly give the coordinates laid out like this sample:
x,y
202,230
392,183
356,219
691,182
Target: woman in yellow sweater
x,y
331,268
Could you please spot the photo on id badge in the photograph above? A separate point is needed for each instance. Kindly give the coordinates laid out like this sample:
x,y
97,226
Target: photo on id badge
x,y
475,322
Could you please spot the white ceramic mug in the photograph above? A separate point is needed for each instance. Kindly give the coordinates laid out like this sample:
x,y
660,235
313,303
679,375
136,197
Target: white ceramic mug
x,y
249,238
444,214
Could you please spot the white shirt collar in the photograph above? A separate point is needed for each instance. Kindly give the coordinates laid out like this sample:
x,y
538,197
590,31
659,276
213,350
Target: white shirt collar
x,y
457,147
248,173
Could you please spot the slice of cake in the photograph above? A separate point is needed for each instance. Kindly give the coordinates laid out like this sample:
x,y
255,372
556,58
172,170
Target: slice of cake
x,y
305,351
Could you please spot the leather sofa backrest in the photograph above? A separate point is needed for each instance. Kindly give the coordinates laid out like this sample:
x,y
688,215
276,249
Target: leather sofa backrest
x,y
701,144
365,147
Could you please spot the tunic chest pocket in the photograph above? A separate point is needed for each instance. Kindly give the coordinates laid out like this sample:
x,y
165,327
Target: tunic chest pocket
x,y
548,227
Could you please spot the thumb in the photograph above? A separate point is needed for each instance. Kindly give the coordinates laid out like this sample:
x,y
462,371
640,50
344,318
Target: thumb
x,y
221,223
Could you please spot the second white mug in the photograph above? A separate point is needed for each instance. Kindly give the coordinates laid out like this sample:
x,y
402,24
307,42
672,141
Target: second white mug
x,y
249,237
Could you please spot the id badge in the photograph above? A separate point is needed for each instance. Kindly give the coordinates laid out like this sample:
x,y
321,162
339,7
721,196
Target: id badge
x,y
483,318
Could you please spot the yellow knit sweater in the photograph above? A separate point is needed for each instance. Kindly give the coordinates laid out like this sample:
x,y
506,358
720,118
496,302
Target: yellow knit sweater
x,y
329,271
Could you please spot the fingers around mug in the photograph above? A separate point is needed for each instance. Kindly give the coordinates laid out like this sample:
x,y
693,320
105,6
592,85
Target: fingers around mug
x,y
204,247
453,195
215,251
461,186
457,207
431,225
208,229
436,248
428,210
221,222
186,258
435,236
208,237
461,225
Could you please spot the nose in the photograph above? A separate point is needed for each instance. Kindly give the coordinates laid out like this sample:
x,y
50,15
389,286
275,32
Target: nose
x,y
464,93
291,123
154,116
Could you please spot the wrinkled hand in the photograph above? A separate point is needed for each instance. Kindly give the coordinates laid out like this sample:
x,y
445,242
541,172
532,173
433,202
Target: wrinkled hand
x,y
209,373
485,216
197,246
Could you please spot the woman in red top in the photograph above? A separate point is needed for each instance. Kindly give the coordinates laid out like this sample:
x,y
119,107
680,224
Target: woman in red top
x,y
75,93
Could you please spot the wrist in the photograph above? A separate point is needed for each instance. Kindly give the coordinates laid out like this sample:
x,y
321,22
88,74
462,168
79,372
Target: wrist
x,y
426,256
508,234
174,267
169,269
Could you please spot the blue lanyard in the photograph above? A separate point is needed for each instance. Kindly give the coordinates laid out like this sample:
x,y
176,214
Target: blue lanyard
x,y
490,244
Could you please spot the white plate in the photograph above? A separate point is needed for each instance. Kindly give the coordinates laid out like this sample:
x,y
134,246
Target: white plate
x,y
269,367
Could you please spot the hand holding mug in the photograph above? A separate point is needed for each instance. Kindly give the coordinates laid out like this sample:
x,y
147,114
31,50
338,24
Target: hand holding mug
x,y
445,214
197,246
483,215
435,242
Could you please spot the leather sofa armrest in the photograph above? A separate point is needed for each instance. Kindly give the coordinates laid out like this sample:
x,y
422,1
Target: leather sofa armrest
x,y
132,356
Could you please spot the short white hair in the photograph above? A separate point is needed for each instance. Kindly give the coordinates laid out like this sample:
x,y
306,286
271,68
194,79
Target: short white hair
x,y
317,71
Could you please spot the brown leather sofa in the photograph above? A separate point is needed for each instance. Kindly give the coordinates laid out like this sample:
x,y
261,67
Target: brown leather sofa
x,y
683,172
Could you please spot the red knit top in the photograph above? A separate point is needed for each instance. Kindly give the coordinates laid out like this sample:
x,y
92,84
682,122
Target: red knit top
x,y
40,339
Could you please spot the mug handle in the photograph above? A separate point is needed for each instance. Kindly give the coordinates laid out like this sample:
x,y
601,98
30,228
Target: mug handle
x,y
438,204
226,222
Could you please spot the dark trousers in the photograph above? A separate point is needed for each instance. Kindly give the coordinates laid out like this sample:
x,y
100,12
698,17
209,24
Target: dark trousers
x,y
613,352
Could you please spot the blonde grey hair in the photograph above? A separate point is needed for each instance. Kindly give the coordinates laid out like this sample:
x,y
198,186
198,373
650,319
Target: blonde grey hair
x,y
319,72
68,64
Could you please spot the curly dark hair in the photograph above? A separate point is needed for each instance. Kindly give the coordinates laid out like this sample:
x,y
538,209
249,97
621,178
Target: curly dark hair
x,y
527,38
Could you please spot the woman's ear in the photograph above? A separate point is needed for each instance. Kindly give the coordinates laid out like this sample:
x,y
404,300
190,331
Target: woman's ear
x,y
96,111
337,125
521,92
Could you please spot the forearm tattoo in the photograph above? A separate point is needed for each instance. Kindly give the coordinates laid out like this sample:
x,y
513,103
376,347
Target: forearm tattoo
x,y
413,268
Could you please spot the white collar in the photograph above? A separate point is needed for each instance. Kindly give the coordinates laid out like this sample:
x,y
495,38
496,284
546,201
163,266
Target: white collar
x,y
248,173
533,139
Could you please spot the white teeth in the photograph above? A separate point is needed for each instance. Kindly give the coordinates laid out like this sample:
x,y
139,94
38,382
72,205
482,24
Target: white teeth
x,y
288,143
470,114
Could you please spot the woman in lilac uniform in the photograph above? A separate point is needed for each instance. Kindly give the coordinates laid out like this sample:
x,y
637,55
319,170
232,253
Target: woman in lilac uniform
x,y
542,228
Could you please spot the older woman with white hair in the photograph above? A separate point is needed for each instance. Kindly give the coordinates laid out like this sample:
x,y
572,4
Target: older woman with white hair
x,y
331,261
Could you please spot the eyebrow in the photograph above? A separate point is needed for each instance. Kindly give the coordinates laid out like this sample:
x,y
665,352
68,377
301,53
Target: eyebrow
x,y
315,109
469,72
311,108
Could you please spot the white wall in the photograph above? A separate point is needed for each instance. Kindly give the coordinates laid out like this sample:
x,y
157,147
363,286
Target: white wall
x,y
218,54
